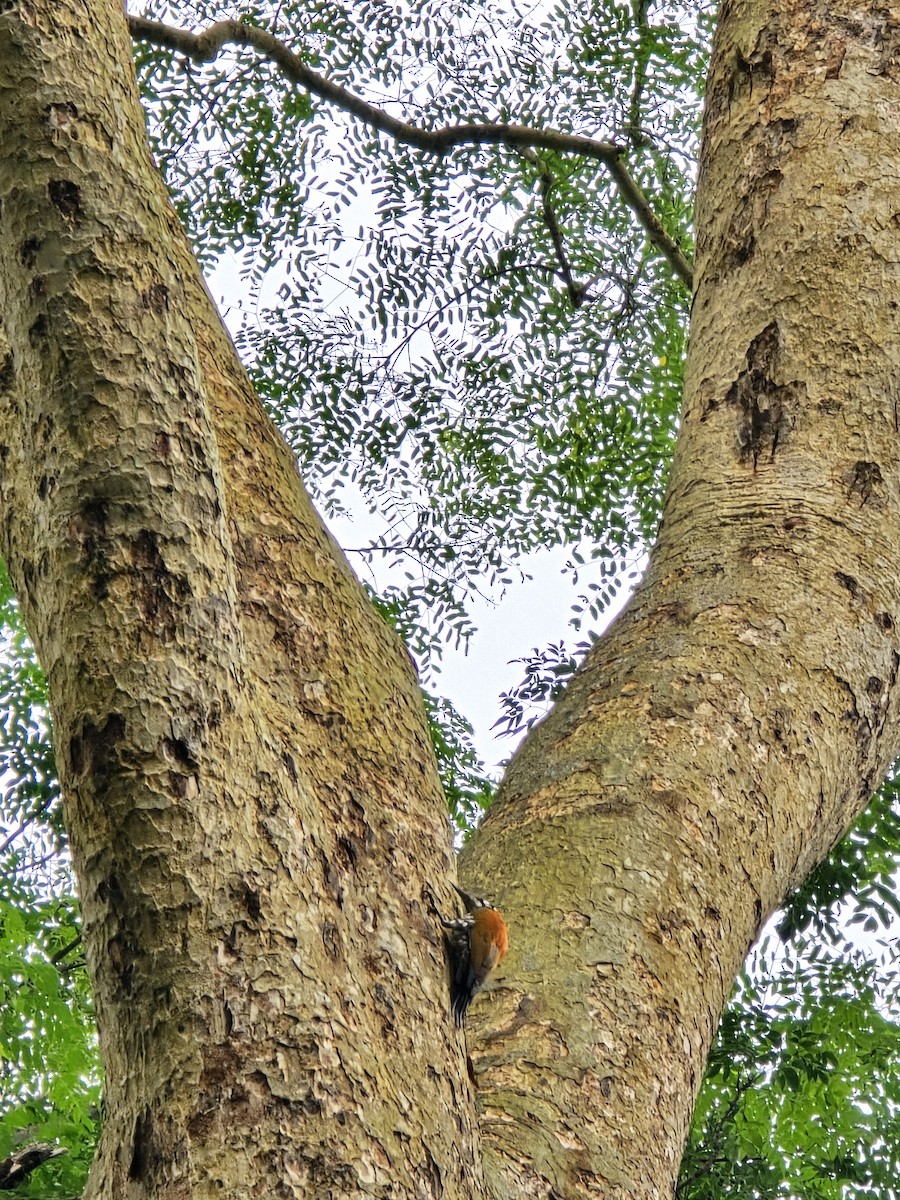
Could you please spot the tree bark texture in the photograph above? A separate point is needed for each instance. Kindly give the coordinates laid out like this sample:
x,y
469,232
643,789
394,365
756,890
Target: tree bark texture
x,y
252,801
253,804
731,725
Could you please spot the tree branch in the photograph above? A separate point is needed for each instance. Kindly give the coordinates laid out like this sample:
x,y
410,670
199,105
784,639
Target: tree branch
x,y
547,179
205,47
16,1167
57,958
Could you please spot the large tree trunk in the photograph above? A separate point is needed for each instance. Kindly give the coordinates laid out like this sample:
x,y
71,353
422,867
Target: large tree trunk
x,y
725,733
253,805
251,794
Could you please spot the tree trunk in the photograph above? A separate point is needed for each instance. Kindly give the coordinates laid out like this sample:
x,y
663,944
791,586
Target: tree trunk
x,y
252,801
251,794
740,713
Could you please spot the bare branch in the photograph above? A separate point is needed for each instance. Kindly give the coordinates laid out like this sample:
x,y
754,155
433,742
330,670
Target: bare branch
x,y
16,1167
205,47
57,958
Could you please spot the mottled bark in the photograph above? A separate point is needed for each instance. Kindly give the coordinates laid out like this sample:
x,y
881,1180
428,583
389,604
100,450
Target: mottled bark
x,y
740,713
252,801
255,816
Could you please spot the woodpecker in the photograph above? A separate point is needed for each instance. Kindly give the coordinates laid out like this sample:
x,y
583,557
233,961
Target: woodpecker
x,y
476,943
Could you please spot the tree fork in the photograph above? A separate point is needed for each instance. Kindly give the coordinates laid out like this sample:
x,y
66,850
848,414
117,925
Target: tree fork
x,y
253,806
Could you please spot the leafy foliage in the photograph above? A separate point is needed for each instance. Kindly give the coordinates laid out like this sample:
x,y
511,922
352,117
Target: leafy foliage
x,y
413,324
49,1075
857,877
802,1092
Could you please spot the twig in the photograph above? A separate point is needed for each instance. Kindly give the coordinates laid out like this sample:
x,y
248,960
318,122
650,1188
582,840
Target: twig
x,y
577,291
635,134
29,820
57,958
206,46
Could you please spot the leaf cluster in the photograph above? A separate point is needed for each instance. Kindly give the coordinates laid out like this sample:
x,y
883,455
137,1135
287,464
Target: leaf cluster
x,y
49,1073
802,1092
491,380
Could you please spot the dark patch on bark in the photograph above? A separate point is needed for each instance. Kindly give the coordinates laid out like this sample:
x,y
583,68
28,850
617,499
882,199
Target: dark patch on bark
x,y
158,592
7,372
739,241
37,289
433,1180
29,577
65,196
751,73
250,898
347,851
332,879
852,712
47,486
848,582
89,531
28,251
121,955
91,520
202,1123
156,298
110,892
37,331
874,685
221,1066
93,750
765,407
331,940
163,444
179,785
290,766
781,724
177,749
742,252
384,1006
885,38
144,1153
63,113
354,840
836,61
46,427
830,406
884,622
866,481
